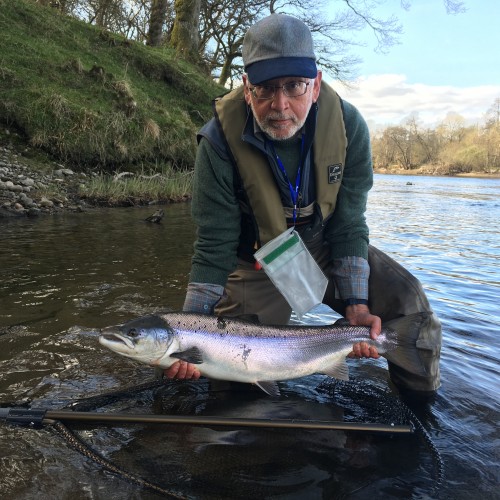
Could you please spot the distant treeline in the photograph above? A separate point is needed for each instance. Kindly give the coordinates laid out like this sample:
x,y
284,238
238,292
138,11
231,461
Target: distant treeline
x,y
451,148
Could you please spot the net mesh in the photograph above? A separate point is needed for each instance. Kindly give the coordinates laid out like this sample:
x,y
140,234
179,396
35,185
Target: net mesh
x,y
184,461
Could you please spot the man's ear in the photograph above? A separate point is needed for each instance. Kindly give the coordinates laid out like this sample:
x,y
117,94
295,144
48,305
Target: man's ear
x,y
317,86
246,89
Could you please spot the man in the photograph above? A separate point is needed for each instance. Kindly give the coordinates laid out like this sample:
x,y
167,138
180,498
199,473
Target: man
x,y
284,150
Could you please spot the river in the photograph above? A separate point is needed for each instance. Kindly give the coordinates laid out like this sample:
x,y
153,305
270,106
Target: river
x,y
63,277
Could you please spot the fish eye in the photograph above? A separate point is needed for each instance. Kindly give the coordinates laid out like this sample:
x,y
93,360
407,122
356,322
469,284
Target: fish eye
x,y
133,333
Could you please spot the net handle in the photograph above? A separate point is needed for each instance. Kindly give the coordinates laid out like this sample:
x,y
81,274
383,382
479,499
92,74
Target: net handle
x,y
35,417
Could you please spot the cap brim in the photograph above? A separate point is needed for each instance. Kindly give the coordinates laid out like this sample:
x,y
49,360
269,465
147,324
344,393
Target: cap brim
x,y
269,69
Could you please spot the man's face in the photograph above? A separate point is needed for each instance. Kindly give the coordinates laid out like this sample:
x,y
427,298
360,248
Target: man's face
x,y
282,117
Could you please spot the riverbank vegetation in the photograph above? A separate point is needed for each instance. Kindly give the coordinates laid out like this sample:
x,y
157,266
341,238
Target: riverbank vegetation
x,y
128,188
95,99
451,148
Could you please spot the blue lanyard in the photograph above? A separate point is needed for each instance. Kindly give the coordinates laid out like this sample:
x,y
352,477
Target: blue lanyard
x,y
294,191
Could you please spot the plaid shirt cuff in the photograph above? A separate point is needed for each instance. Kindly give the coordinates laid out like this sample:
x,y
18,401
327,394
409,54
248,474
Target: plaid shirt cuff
x,y
350,275
202,297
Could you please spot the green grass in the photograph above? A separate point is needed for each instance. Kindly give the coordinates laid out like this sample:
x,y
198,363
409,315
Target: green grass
x,y
164,185
93,99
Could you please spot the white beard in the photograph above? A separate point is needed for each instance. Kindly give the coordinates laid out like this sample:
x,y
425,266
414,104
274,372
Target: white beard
x,y
273,132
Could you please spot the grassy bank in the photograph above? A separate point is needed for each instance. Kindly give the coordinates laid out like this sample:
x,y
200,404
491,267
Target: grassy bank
x,y
94,100
127,188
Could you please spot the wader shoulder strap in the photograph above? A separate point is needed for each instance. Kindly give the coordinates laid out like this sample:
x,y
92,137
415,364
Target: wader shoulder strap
x,y
253,168
330,145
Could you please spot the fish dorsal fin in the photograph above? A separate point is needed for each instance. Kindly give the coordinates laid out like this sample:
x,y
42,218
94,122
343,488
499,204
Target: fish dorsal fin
x,y
269,387
191,355
339,370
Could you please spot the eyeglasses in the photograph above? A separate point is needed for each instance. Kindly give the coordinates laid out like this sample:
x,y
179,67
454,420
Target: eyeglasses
x,y
290,89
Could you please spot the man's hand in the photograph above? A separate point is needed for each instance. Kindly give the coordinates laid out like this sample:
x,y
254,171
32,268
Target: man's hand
x,y
182,370
359,315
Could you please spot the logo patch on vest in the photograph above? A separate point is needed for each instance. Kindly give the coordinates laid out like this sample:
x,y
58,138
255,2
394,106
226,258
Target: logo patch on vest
x,y
334,173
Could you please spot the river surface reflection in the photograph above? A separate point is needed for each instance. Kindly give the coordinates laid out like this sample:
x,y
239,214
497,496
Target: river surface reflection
x,y
65,276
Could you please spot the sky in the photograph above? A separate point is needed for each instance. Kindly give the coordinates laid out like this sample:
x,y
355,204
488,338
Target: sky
x,y
444,64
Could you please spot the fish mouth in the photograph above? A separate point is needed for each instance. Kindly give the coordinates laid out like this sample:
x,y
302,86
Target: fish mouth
x,y
108,339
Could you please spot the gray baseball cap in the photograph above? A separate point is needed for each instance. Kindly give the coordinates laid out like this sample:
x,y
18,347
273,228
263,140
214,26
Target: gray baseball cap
x,y
278,46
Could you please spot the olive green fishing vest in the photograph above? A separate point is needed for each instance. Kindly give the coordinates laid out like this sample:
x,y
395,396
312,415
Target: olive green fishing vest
x,y
329,147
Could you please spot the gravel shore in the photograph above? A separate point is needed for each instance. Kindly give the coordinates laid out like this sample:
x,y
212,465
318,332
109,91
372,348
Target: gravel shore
x,y
26,190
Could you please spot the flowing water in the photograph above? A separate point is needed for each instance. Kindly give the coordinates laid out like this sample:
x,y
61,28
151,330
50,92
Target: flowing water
x,y
65,276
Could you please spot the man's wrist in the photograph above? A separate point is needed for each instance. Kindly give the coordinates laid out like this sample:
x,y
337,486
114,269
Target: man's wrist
x,y
353,301
202,297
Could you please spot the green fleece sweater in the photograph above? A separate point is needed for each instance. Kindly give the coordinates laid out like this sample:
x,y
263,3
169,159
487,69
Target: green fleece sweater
x,y
216,210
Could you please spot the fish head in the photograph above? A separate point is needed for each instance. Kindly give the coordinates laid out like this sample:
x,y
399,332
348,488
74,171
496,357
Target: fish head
x,y
145,339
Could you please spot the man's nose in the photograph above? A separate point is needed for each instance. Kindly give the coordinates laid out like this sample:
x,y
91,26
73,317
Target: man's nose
x,y
280,100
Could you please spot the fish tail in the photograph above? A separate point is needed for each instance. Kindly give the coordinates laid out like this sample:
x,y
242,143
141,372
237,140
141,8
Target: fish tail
x,y
406,354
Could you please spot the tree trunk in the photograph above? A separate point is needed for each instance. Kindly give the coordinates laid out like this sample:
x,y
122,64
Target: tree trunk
x,y
185,34
225,73
156,20
102,12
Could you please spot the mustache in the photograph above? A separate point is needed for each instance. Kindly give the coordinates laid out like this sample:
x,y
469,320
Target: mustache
x,y
276,115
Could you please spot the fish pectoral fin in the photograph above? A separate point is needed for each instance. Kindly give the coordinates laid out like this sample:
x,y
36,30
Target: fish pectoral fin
x,y
191,355
339,371
269,387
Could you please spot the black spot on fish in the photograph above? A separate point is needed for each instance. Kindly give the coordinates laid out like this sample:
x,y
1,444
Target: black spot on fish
x,y
246,352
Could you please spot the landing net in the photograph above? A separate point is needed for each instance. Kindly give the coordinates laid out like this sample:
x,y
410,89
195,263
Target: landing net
x,y
183,461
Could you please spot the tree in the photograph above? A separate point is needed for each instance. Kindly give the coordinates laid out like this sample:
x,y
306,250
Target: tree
x,y
185,36
224,23
452,127
156,20
493,114
451,148
423,143
399,137
223,27
212,31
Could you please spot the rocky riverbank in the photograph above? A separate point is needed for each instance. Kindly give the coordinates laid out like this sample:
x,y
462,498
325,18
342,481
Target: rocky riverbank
x,y
29,191
32,183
